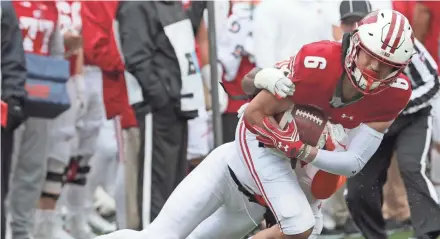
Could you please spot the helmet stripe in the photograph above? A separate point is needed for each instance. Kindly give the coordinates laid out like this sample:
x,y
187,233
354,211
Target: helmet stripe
x,y
390,30
399,35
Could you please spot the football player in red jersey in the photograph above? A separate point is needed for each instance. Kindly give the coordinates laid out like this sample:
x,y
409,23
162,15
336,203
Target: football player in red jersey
x,y
365,93
39,24
357,85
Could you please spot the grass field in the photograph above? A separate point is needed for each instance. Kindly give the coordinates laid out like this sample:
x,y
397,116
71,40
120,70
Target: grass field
x,y
398,235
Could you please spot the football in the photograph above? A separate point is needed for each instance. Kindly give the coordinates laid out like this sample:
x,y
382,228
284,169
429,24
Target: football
x,y
310,121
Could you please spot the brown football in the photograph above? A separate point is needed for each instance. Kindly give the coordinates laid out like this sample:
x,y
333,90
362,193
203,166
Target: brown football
x,y
309,120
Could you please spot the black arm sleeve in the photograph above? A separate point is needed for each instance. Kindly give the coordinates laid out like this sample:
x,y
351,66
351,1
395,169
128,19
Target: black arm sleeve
x,y
195,14
13,64
138,27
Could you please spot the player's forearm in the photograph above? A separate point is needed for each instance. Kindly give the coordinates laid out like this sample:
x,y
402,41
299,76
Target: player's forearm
x,y
247,83
203,43
264,105
348,163
255,111
341,163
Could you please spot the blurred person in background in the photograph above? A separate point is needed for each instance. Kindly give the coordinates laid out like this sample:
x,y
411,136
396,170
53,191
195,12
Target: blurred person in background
x,y
109,159
39,24
108,162
105,96
161,56
282,28
200,132
13,93
410,136
234,44
48,221
426,18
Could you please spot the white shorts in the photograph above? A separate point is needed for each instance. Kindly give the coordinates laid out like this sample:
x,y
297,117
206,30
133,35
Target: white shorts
x,y
286,191
199,136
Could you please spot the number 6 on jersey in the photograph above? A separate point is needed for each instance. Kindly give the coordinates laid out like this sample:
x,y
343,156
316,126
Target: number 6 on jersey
x,y
315,62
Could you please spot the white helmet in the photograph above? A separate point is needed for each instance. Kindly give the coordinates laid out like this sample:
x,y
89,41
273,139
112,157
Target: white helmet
x,y
385,35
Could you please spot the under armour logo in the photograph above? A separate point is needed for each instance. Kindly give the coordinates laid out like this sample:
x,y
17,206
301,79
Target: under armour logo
x,y
280,146
346,116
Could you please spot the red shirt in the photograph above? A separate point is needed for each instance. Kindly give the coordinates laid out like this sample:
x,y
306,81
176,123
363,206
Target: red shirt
x,y
433,35
38,21
316,86
100,49
234,87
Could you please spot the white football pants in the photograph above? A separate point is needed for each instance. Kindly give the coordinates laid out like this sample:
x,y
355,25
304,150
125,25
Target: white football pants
x,y
104,162
207,204
287,192
88,121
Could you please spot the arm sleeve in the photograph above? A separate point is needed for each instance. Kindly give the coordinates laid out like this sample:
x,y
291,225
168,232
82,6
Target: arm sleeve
x,y
138,48
348,163
98,41
13,64
264,35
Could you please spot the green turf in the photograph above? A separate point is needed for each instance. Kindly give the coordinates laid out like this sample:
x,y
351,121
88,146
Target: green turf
x,y
398,235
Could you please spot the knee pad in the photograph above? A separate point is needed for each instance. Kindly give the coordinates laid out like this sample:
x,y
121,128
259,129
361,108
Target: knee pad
x,y
55,179
78,169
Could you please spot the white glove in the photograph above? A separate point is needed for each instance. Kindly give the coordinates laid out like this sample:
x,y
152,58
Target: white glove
x,y
275,81
222,95
336,137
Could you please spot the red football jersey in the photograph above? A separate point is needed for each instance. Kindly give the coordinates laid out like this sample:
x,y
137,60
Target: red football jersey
x,y
316,71
70,15
38,20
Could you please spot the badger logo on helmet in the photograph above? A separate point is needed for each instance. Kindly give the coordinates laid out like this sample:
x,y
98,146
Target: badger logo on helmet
x,y
387,39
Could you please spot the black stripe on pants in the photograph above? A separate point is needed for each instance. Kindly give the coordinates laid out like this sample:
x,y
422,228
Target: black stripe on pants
x,y
410,137
7,144
168,143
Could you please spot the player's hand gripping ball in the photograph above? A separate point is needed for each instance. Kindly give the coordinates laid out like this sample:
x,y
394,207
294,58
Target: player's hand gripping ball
x,y
309,122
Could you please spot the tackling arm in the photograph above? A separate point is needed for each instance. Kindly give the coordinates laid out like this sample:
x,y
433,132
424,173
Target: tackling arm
x,y
361,148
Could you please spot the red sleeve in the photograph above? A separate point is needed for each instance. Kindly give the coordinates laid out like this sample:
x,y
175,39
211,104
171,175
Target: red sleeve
x,y
289,64
396,99
295,64
99,44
